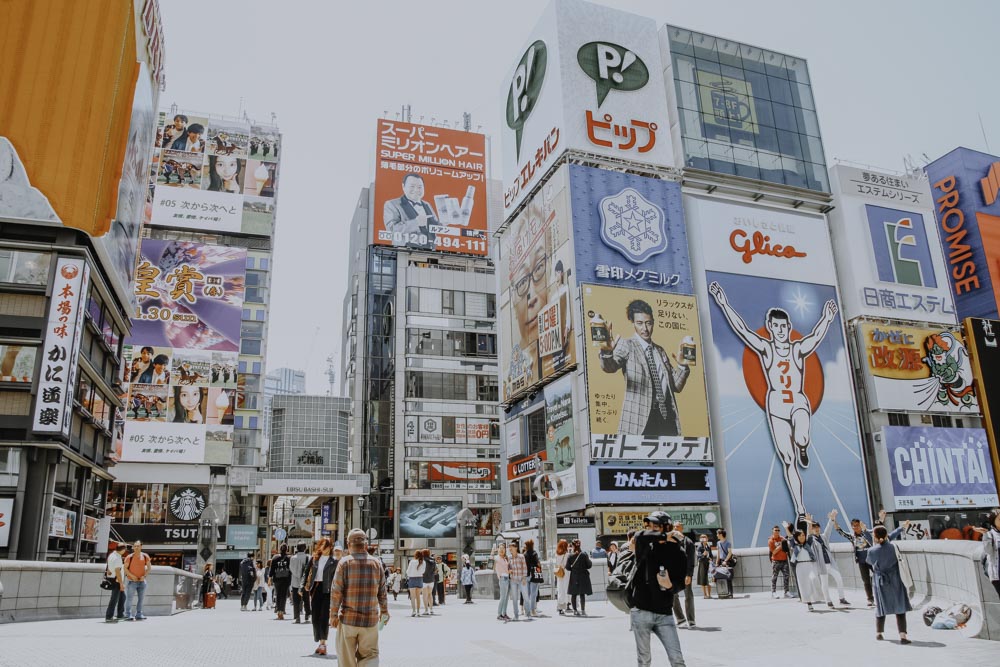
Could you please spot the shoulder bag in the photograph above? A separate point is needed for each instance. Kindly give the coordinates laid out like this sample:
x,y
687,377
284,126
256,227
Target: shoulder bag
x,y
904,569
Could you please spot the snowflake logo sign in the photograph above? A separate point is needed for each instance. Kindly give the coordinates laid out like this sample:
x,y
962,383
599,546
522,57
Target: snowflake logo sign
x,y
633,225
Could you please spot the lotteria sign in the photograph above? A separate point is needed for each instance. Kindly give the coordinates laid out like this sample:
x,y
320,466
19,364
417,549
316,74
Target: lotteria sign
x,y
965,185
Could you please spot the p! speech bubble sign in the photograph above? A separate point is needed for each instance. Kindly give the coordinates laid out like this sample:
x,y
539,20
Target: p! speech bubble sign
x,y
612,67
525,87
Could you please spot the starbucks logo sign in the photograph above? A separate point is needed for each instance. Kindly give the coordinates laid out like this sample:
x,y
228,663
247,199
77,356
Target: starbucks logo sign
x,y
187,504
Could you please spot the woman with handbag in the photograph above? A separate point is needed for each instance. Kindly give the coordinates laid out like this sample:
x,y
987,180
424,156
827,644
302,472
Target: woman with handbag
x,y
501,567
579,565
891,596
802,557
534,566
562,576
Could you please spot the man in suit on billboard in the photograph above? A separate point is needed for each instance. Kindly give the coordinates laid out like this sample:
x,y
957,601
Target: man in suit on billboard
x,y
789,412
409,218
649,407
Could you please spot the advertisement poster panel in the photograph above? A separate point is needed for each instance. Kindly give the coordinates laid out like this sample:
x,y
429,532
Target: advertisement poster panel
x,y
560,440
462,475
6,517
780,375
964,185
426,519
660,485
938,467
62,523
884,237
645,376
180,362
537,291
214,174
521,473
430,188
629,231
589,78
17,363
917,370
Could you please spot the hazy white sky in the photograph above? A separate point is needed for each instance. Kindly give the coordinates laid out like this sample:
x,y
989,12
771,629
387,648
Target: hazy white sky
x,y
891,78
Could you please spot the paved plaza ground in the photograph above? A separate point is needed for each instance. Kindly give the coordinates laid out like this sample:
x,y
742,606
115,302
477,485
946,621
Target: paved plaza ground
x,y
752,630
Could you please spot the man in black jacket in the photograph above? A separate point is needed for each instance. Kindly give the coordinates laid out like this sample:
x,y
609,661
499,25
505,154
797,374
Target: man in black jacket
x,y
688,546
662,567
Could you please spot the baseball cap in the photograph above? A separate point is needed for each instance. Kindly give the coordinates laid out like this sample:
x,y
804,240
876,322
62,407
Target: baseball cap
x,y
660,518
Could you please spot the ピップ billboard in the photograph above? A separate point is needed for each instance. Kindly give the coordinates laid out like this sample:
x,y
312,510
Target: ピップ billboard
x,y
779,374
430,188
916,370
589,78
645,376
537,291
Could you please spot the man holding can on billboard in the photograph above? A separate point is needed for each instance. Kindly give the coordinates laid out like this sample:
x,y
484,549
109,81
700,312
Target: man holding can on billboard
x,y
649,406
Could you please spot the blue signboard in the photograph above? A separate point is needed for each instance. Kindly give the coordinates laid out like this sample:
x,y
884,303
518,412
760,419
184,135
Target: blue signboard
x,y
939,467
629,231
649,484
965,185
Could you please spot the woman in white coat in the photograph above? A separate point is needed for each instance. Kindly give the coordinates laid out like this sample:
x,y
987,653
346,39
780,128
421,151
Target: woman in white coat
x,y
562,585
991,546
801,555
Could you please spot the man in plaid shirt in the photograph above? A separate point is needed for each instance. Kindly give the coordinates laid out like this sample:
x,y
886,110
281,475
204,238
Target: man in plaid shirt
x,y
518,577
356,598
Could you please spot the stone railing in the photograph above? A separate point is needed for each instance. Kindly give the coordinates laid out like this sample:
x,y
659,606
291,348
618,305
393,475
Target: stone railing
x,y
945,572
40,591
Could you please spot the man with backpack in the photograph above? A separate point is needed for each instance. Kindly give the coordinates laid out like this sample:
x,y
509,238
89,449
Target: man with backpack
x,y
660,568
280,579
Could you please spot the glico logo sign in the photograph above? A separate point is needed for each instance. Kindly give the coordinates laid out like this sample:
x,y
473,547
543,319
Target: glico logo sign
x,y
760,244
525,87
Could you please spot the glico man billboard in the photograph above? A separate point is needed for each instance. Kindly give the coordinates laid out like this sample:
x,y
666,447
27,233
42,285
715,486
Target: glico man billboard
x,y
779,377
965,185
589,78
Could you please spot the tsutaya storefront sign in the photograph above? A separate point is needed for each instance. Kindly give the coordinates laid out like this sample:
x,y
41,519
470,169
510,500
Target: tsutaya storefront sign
x,y
587,79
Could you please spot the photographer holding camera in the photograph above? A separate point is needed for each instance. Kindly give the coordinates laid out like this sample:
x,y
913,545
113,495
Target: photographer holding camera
x,y
661,566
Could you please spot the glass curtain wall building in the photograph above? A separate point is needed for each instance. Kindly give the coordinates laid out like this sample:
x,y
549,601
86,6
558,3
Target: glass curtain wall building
x,y
744,110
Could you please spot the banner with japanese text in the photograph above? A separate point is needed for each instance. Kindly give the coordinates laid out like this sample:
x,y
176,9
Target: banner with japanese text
x,y
430,188
560,436
917,370
61,349
537,291
180,361
645,375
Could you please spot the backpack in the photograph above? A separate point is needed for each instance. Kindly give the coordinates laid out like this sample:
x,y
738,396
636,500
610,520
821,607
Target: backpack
x,y
622,582
282,569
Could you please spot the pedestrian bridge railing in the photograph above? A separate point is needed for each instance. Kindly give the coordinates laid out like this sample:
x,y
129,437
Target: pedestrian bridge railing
x,y
41,590
945,572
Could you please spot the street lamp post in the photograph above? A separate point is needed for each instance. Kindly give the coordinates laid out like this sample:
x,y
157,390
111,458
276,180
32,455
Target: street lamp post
x,y
362,502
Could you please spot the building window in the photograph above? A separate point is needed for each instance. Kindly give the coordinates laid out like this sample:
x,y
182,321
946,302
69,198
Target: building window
x,y
942,421
899,419
536,431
